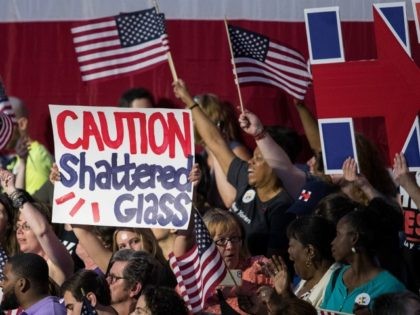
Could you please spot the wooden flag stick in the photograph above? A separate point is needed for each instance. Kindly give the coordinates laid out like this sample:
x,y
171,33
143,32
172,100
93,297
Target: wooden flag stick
x,y
172,66
169,55
156,5
234,67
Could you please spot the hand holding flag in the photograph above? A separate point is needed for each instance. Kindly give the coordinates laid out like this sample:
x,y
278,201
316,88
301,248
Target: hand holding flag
x,y
200,270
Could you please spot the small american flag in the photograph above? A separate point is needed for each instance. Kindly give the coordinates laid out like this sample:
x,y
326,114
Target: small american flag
x,y
200,270
87,308
327,312
128,42
6,130
3,261
261,60
5,106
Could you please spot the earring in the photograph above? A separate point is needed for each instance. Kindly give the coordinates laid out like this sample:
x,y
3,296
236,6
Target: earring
x,y
308,262
353,250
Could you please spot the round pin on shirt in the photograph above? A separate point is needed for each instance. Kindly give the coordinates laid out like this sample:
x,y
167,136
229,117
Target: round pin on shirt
x,y
248,196
362,299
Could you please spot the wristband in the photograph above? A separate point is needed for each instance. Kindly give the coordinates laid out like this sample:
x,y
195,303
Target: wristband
x,y
193,106
19,198
261,134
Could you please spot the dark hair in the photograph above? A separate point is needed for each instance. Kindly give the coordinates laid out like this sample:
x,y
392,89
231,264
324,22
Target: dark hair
x,y
105,233
135,93
288,139
335,206
373,166
293,306
8,241
141,267
368,227
32,267
396,304
163,300
85,281
316,231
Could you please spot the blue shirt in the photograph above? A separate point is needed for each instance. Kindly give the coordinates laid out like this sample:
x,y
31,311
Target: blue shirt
x,y
337,297
49,305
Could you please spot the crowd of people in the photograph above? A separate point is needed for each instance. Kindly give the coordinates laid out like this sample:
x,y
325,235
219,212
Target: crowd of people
x,y
302,240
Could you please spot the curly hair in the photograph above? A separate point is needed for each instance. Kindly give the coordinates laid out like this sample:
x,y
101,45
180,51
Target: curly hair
x,y
163,300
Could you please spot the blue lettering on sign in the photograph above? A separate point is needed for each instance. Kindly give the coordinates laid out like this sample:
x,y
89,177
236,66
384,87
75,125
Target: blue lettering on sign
x,y
151,209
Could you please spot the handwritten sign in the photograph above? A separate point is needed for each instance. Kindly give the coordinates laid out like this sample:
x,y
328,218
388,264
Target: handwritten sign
x,y
122,167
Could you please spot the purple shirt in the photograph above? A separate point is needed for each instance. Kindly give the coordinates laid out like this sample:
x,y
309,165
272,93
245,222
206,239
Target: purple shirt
x,y
47,306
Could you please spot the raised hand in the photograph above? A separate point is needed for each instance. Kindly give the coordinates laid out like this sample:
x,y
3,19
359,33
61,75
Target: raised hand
x,y
250,123
22,147
54,174
195,175
7,181
181,92
350,173
400,169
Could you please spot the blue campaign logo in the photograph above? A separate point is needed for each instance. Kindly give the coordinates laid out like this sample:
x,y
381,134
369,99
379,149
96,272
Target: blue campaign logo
x,y
323,31
338,143
411,149
395,17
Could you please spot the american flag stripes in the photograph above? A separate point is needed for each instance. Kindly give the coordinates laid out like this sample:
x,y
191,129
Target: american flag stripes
x,y
87,308
261,60
5,106
128,42
327,312
200,270
6,129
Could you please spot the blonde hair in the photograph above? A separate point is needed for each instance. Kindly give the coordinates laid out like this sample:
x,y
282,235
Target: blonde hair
x,y
217,219
147,238
220,113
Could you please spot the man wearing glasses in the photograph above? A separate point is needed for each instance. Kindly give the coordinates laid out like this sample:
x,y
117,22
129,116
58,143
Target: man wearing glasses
x,y
128,273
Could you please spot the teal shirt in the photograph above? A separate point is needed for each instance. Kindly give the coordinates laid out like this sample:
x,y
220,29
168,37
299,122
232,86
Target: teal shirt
x,y
337,298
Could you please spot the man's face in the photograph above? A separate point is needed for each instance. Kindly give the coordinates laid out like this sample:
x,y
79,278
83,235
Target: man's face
x,y
120,291
141,103
10,300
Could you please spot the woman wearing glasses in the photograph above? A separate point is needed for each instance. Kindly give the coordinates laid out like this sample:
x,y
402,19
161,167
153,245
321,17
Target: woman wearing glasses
x,y
228,236
34,233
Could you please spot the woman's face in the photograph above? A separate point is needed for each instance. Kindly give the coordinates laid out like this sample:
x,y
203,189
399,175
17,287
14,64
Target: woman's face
x,y
126,239
258,169
4,219
28,243
141,307
299,254
344,241
229,244
72,305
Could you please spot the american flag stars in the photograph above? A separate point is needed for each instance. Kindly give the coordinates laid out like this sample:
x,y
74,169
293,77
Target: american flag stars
x,y
138,27
248,44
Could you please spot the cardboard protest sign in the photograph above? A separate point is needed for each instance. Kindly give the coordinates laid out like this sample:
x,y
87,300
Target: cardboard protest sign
x,y
123,167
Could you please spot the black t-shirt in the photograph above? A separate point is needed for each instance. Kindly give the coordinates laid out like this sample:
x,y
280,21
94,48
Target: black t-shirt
x,y
265,223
